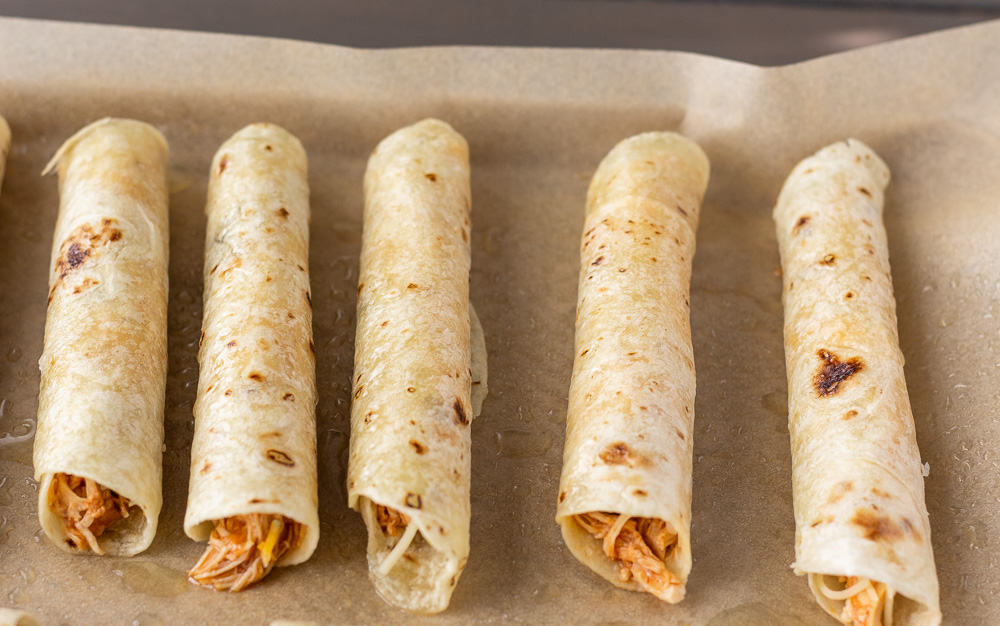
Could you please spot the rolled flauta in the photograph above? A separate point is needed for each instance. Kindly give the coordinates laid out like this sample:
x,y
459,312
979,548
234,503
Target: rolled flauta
x,y
625,494
253,490
409,470
4,146
862,534
99,442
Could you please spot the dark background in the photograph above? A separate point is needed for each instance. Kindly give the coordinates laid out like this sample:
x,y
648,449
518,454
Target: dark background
x,y
763,33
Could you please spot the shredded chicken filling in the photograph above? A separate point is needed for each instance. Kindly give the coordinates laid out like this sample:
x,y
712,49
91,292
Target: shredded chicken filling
x,y
866,602
86,509
640,545
242,550
394,524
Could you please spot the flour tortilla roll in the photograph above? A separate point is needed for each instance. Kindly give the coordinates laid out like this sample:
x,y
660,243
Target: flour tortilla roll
x,y
253,488
4,146
625,495
409,471
103,369
862,535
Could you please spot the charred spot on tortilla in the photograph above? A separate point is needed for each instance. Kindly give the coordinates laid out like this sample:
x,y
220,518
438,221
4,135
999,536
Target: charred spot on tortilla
x,y
414,501
460,415
876,527
865,191
223,162
833,372
412,286
282,213
83,242
598,260
829,259
279,457
562,496
312,348
290,397
431,177
309,299
257,376
418,447
214,267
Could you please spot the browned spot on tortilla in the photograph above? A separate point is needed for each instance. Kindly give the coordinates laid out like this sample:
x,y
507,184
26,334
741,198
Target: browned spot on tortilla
x,y
849,295
357,394
850,414
289,397
584,353
312,348
309,299
228,392
562,496
869,248
231,344
409,557
291,315
598,260
412,286
825,520
640,492
681,210
876,527
867,223
414,501
799,224
268,148
257,376
214,267
204,468
267,279
881,494
411,389
282,213
84,242
209,388
431,176
272,433
865,191
223,162
833,372
417,446
259,501
910,528
680,434
828,259
384,324
839,490
621,269
460,415
360,287
617,454
279,457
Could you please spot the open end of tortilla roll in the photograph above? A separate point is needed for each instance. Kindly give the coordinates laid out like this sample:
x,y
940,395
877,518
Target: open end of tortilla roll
x,y
636,553
407,570
860,601
243,549
83,515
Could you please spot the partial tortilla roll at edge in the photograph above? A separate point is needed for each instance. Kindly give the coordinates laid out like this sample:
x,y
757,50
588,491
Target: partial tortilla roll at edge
x,y
17,617
98,446
410,462
625,493
253,486
862,533
4,147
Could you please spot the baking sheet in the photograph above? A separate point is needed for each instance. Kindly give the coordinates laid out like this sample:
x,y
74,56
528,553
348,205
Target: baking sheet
x,y
538,122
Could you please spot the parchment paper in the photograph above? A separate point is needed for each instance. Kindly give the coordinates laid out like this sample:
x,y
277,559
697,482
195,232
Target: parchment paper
x,y
538,122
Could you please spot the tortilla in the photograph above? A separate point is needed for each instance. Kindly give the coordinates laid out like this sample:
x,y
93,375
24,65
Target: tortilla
x,y
253,484
4,146
17,617
860,517
410,452
625,494
99,441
